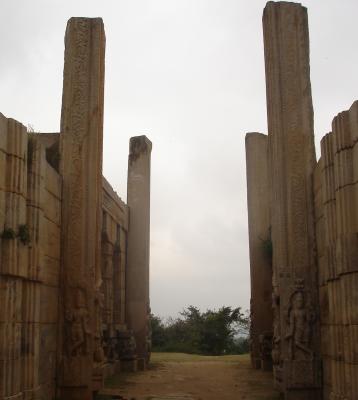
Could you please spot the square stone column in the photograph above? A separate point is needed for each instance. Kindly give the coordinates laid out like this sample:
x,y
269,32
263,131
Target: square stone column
x,y
258,207
81,170
137,274
292,161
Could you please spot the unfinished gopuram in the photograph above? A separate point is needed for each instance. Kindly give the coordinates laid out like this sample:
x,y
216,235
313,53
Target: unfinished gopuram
x,y
74,258
303,227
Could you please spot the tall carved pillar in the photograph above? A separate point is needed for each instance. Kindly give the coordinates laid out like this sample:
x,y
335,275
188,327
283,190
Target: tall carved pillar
x,y
81,169
292,157
137,277
258,195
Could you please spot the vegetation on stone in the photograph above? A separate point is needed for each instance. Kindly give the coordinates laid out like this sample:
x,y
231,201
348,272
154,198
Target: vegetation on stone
x,y
24,234
8,233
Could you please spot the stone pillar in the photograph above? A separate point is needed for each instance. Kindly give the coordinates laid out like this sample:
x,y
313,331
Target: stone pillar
x,y
258,194
81,170
137,277
292,158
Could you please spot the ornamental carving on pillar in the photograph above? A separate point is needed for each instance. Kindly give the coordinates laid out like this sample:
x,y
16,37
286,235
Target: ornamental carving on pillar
x,y
300,320
78,328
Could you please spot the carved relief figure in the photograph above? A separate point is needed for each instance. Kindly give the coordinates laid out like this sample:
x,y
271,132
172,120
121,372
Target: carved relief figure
x,y
78,327
300,319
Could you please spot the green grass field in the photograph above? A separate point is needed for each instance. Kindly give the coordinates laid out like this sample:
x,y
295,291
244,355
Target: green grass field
x,y
182,357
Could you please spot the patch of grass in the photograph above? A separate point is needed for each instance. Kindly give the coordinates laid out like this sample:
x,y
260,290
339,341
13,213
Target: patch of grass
x,y
182,357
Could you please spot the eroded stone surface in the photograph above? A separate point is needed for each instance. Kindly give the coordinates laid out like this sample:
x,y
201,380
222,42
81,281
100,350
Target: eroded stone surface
x,y
258,205
138,199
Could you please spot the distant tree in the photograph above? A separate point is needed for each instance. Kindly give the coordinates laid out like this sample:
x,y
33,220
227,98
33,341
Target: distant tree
x,y
158,331
213,332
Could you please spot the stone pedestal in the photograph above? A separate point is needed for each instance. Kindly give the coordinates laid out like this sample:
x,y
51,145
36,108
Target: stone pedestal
x,y
81,169
258,206
292,161
137,274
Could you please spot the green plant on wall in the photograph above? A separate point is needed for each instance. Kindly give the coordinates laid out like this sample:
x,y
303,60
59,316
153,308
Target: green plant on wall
x,y
24,234
8,233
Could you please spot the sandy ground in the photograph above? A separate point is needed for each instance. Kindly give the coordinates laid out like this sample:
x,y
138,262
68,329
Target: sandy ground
x,y
182,376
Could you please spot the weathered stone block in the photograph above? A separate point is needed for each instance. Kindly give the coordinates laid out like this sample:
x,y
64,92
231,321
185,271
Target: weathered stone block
x,y
11,298
52,208
53,182
50,271
49,304
10,340
47,366
350,284
53,240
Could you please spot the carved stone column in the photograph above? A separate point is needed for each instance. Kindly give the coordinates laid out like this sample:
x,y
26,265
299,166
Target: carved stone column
x,y
292,157
258,206
81,169
137,277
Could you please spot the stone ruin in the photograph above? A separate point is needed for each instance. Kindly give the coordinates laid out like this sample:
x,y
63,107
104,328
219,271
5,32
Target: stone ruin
x,y
74,258
303,227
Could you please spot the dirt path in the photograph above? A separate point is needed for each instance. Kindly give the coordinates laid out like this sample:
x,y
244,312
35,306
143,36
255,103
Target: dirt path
x,y
182,376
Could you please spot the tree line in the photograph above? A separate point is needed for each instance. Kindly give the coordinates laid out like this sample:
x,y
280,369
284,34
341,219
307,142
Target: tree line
x,y
213,332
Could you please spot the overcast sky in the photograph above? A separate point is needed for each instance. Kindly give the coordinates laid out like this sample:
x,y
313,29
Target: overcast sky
x,y
189,74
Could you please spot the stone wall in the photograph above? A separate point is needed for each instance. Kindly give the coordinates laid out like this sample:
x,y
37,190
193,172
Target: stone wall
x,y
30,264
336,202
114,256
